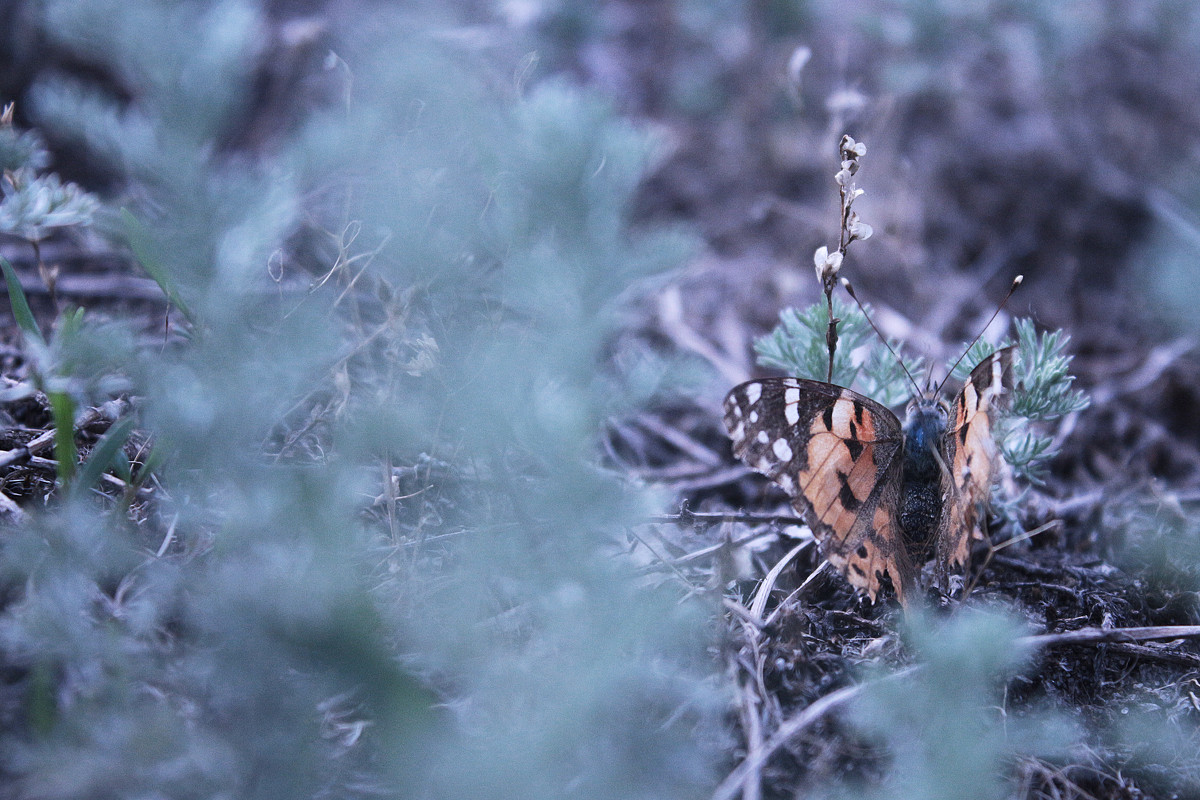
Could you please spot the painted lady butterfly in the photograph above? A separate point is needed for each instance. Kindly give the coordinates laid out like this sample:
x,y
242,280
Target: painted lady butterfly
x,y
881,497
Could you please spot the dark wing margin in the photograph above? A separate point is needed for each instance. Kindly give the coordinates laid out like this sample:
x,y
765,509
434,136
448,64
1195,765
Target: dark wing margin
x,y
970,452
838,456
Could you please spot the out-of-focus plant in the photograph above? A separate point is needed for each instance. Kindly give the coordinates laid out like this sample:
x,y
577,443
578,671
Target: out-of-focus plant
x,y
426,600
20,149
944,725
78,365
34,205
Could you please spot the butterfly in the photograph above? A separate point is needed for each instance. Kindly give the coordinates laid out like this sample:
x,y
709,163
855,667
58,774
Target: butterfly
x,y
880,496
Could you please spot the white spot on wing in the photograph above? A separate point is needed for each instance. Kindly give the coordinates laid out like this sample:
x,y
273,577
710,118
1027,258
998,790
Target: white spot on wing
x,y
737,410
762,437
791,408
841,418
782,450
753,392
791,413
753,417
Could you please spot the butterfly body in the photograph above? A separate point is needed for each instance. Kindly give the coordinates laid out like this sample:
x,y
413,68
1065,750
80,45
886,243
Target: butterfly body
x,y
879,496
921,484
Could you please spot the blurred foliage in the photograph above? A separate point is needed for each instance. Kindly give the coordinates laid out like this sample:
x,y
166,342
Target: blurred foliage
x,y
272,631
1160,540
1167,264
944,723
20,149
33,205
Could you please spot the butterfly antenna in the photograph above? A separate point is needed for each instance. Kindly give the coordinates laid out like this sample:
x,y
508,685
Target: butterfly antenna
x,y
1016,282
882,338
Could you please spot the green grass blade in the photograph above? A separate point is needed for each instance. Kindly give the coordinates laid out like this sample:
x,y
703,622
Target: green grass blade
x,y
19,303
139,242
103,455
63,408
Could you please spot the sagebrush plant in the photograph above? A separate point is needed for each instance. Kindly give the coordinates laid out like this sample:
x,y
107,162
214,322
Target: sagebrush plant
x,y
384,560
33,203
20,149
944,722
797,345
1043,386
73,366
805,344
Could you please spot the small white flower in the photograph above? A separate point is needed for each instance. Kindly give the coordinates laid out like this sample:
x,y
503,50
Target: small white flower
x,y
859,229
852,149
843,177
827,263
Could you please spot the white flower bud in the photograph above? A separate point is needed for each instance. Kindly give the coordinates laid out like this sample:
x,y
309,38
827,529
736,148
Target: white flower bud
x,y
860,230
852,149
827,263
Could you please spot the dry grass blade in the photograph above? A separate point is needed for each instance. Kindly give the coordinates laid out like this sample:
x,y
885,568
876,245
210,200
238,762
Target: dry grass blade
x,y
759,604
754,761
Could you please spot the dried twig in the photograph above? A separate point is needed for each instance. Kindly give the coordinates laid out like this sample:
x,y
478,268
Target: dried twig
x,y
850,228
1102,635
759,604
679,440
687,517
671,317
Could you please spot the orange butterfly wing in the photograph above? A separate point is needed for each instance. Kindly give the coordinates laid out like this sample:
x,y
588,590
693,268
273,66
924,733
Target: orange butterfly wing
x,y
838,455
969,450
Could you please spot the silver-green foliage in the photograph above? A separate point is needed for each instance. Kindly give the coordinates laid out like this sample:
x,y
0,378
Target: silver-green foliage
x,y
944,723
1043,390
491,644
20,149
32,204
861,362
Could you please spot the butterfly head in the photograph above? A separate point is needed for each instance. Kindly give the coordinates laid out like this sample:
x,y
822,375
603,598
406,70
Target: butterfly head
x,y
925,423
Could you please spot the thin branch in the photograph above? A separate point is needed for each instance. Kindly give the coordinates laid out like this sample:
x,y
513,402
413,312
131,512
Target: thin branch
x,y
686,517
1102,635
